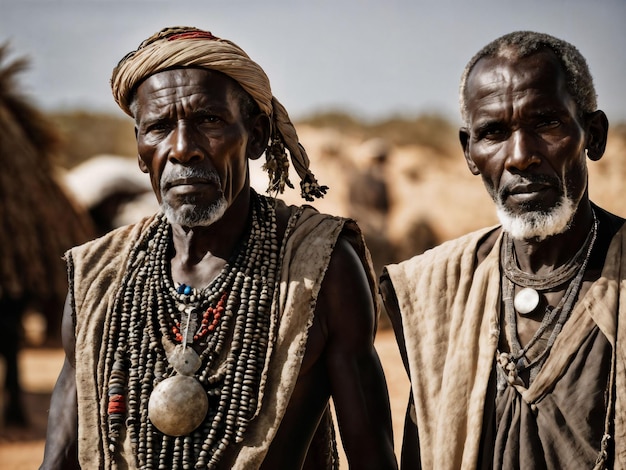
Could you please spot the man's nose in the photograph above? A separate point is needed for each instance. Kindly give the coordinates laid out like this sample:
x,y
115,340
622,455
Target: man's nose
x,y
185,146
521,151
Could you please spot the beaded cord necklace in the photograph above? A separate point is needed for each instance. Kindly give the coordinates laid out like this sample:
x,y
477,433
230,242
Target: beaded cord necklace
x,y
534,354
510,364
559,276
146,322
527,299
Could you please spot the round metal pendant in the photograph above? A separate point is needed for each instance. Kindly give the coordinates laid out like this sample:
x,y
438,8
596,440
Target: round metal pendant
x,y
526,301
178,405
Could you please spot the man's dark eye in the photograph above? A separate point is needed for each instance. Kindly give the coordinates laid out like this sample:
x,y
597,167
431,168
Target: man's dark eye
x,y
494,132
209,119
548,123
158,127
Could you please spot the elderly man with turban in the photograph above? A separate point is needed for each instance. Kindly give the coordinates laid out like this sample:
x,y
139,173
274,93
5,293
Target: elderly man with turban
x,y
214,333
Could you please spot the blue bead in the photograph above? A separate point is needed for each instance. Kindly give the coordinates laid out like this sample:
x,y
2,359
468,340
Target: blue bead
x,y
181,289
187,290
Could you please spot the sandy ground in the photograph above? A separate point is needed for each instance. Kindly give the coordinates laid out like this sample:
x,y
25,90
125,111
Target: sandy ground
x,y
22,449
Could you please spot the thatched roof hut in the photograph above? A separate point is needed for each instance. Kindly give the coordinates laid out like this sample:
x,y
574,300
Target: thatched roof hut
x,y
38,219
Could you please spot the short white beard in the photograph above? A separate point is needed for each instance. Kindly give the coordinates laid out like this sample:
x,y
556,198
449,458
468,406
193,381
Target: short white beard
x,y
536,224
190,215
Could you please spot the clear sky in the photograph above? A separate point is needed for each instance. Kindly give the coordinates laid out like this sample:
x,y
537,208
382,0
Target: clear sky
x,y
372,58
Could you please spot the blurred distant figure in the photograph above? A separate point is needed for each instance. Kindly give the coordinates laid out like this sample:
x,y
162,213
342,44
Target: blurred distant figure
x,y
368,187
39,222
368,197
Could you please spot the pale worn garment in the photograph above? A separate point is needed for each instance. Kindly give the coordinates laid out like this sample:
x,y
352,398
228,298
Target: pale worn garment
x,y
450,313
95,271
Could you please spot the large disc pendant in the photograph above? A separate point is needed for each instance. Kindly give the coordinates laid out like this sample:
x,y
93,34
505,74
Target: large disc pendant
x,y
526,301
178,405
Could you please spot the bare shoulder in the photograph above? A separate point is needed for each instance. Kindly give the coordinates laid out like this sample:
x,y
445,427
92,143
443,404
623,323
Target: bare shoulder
x,y
340,335
346,297
347,308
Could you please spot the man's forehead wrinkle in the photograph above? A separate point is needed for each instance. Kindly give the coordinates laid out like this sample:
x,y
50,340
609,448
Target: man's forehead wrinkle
x,y
487,90
166,99
491,71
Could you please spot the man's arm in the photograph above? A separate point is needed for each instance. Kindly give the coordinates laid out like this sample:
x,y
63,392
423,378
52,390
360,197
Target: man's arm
x,y
358,386
61,451
390,302
410,457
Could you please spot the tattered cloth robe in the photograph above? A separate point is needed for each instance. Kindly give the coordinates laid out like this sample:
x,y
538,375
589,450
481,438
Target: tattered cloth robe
x,y
96,270
450,313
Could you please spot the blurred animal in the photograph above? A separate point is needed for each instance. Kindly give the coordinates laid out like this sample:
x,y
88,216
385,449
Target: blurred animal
x,y
39,222
113,190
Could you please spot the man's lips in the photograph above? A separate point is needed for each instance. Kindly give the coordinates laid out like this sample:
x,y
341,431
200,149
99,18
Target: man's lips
x,y
187,184
525,191
526,188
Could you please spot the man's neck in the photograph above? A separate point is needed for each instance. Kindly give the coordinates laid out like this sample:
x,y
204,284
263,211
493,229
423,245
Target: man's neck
x,y
534,256
199,253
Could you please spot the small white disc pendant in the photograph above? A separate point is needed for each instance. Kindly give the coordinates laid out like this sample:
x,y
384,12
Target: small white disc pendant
x,y
526,300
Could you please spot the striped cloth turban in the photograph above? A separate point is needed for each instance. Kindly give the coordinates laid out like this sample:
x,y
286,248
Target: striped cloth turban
x,y
191,47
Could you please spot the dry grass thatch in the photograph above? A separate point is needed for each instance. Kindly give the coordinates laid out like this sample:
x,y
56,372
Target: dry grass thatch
x,y
39,221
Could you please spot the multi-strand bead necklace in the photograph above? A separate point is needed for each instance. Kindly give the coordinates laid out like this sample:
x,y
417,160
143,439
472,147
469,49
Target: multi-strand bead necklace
x,y
218,337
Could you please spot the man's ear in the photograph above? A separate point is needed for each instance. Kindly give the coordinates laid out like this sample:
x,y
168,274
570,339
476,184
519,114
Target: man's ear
x,y
464,137
597,127
142,165
259,135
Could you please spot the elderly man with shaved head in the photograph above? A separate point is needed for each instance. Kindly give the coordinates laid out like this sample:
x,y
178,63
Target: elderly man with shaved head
x,y
512,335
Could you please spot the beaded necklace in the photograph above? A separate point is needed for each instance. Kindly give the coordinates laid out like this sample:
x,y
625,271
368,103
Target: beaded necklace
x,y
528,298
156,334
532,356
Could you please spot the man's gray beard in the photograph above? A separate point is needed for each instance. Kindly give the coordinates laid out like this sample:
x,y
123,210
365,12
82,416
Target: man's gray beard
x,y
536,224
190,215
